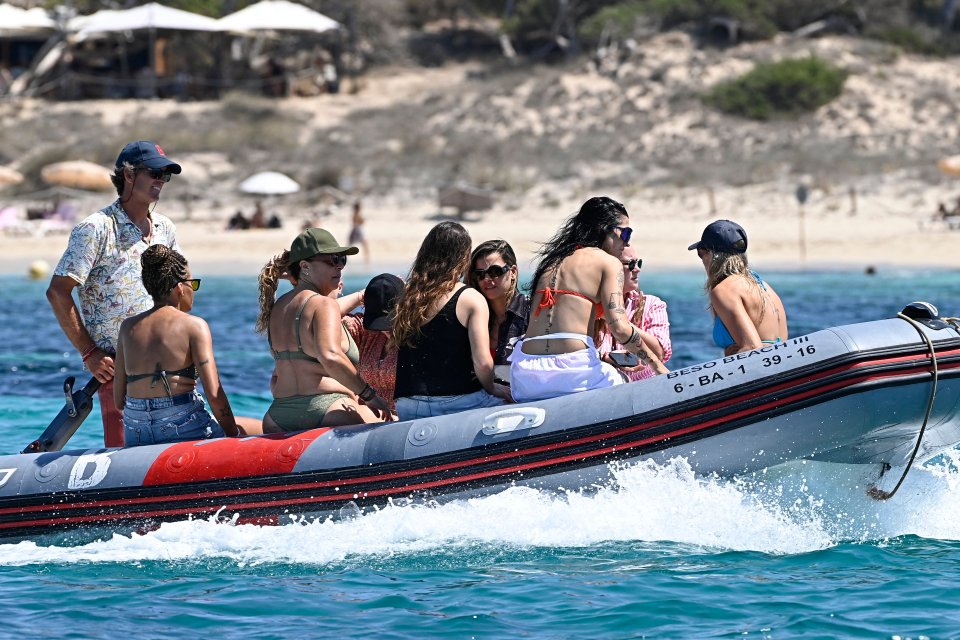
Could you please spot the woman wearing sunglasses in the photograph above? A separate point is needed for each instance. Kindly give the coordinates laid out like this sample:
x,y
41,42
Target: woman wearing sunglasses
x,y
160,355
646,312
315,381
493,272
577,280
747,312
440,327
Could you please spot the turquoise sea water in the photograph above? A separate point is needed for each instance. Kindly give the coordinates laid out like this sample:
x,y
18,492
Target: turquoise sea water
x,y
790,553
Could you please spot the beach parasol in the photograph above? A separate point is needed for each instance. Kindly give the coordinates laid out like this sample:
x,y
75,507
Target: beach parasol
x,y
277,15
10,176
17,22
78,174
268,183
950,166
150,16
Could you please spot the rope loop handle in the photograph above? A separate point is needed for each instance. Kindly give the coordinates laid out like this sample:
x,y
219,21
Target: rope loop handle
x,y
876,492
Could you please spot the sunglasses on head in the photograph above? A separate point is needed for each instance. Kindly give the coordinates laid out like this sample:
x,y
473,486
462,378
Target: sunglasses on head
x,y
625,233
157,174
492,272
334,260
631,264
194,283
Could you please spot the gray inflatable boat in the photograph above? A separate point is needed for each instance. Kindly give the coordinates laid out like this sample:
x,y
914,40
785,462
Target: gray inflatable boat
x,y
883,394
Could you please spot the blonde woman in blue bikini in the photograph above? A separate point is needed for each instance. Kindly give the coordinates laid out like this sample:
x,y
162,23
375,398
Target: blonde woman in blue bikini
x,y
747,311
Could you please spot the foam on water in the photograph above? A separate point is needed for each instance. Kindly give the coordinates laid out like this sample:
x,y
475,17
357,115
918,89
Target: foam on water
x,y
779,512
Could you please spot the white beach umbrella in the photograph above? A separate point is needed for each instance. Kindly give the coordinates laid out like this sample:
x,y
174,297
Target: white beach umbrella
x,y
277,15
269,183
950,166
149,16
15,21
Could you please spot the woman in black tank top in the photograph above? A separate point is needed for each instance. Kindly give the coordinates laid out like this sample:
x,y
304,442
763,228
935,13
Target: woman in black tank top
x,y
440,327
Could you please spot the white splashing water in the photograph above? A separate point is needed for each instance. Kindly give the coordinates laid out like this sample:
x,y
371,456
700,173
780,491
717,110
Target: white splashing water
x,y
791,509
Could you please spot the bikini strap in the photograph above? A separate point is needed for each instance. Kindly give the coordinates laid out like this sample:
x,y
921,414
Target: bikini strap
x,y
296,320
161,376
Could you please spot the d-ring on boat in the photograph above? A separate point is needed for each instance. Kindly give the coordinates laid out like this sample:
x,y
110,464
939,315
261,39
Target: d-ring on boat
x,y
883,394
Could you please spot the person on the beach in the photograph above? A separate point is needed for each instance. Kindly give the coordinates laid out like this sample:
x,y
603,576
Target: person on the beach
x,y
315,380
357,235
161,353
646,312
747,311
371,332
102,261
441,329
494,273
577,280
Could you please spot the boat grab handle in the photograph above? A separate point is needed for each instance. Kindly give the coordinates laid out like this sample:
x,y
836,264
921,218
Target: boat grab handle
x,y
513,419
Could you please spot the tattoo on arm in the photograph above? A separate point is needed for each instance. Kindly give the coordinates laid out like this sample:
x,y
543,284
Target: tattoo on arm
x,y
203,362
616,304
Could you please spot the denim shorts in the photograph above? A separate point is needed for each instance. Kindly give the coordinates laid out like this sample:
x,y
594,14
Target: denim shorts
x,y
413,407
160,420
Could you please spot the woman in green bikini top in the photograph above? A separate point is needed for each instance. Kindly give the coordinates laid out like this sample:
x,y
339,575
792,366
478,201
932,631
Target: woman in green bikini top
x,y
315,381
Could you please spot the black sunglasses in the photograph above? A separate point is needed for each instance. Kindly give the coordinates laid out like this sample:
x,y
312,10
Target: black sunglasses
x,y
157,174
630,264
493,271
625,233
194,283
334,260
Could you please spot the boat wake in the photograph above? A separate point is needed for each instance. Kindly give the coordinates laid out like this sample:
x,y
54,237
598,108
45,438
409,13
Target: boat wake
x,y
779,511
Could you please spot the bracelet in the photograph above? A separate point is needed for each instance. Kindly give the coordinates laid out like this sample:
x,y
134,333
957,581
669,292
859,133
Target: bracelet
x,y
89,352
368,393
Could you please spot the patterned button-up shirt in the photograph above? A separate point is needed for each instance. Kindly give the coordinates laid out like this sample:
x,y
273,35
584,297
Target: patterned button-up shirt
x,y
103,256
654,322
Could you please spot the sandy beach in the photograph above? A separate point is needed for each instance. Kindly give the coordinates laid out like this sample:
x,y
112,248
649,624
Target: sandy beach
x,y
543,141
890,227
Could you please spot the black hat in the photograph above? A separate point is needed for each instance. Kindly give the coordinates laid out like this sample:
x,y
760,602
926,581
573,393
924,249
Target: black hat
x,y
724,236
144,153
379,299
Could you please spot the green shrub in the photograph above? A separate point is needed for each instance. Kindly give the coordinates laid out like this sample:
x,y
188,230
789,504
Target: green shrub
x,y
779,89
619,21
909,40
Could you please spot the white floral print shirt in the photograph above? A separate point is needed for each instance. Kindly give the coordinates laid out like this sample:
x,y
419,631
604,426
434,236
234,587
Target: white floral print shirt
x,y
103,256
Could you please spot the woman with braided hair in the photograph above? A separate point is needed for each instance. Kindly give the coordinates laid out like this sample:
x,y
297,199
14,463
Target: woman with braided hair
x,y
315,381
161,353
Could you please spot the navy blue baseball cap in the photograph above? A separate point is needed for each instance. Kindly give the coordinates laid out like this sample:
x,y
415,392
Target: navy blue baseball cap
x,y
144,153
724,236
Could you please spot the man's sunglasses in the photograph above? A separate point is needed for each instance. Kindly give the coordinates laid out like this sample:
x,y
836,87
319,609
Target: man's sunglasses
x,y
194,283
493,272
625,233
334,260
631,264
157,174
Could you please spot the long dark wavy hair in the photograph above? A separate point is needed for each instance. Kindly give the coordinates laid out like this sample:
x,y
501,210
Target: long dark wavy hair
x,y
589,227
442,260
162,269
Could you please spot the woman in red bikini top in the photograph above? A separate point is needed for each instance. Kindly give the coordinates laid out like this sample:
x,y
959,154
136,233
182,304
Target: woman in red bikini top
x,y
579,278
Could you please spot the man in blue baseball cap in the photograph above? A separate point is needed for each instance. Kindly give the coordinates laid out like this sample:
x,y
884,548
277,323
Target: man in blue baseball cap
x,y
102,262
